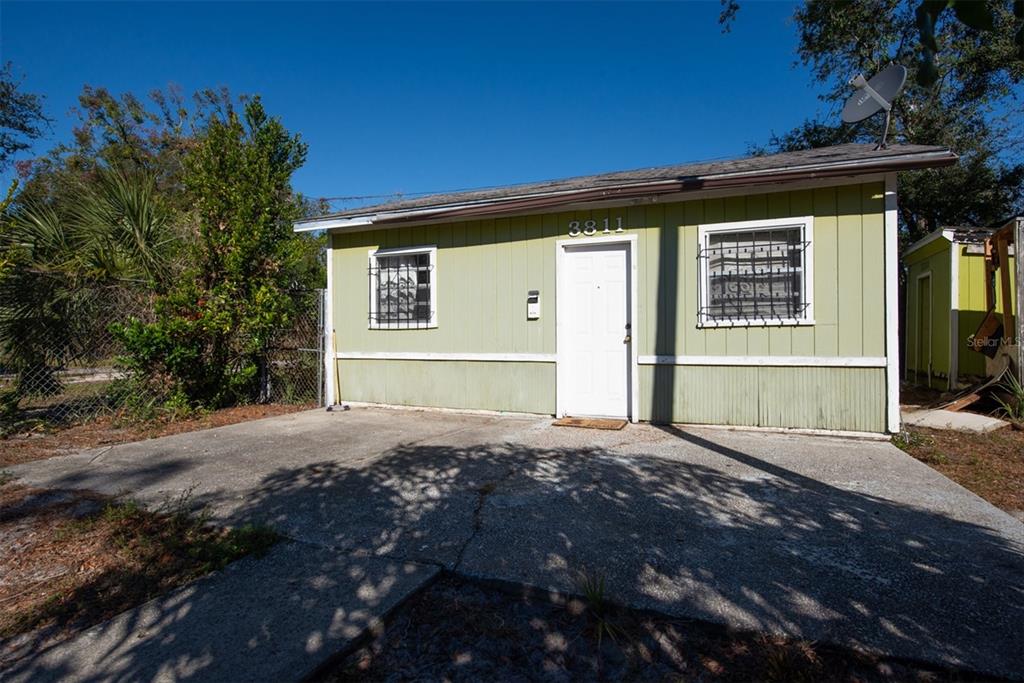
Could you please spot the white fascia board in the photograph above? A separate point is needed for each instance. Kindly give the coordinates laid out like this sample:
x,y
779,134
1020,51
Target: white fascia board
x,y
329,223
928,239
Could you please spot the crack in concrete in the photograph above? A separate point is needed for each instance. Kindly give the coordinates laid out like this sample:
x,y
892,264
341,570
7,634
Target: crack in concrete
x,y
362,554
478,522
100,454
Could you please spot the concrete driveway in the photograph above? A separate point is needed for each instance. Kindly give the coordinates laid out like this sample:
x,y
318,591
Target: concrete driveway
x,y
827,539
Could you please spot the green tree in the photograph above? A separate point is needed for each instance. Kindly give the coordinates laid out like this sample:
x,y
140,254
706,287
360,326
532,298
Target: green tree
x,y
152,135
972,105
22,121
63,268
213,326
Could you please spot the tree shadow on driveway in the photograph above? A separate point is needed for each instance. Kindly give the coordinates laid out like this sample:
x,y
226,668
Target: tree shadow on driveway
x,y
700,530
756,546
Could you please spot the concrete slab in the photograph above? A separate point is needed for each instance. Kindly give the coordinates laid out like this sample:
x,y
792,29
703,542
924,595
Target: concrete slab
x,y
311,476
853,543
272,619
829,539
955,420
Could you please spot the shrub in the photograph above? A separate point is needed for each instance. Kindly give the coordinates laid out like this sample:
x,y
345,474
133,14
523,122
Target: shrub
x,y
213,327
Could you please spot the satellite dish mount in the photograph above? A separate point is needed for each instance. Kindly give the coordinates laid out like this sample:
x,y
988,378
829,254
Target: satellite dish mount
x,y
875,95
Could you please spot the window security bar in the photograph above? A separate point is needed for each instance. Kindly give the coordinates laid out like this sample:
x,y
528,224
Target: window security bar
x,y
755,277
399,292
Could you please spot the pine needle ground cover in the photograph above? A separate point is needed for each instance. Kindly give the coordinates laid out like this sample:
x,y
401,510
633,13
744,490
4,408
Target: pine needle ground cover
x,y
72,559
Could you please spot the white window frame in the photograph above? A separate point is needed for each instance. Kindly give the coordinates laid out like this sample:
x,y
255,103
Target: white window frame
x,y
806,223
372,256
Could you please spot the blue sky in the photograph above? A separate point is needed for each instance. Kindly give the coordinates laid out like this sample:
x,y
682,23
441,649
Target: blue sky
x,y
430,97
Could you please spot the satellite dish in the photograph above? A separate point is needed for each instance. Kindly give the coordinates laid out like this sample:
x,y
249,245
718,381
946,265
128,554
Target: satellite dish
x,y
875,95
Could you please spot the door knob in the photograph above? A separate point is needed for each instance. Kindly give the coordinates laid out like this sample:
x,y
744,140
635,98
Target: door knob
x,y
628,339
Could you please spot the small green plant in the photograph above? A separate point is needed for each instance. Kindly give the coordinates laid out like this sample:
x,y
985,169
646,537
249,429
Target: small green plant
x,y
139,399
177,528
907,439
153,550
592,588
788,662
1012,407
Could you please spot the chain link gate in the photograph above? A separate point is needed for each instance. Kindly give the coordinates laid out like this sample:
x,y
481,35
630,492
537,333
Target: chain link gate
x,y
294,369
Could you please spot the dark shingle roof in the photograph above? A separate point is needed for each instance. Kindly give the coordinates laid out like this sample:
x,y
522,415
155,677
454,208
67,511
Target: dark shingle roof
x,y
850,155
969,235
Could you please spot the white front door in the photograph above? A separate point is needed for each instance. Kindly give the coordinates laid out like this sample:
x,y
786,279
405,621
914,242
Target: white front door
x,y
594,334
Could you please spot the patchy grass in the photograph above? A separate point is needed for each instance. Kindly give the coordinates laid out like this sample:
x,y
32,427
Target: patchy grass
x,y
456,630
73,559
46,441
991,465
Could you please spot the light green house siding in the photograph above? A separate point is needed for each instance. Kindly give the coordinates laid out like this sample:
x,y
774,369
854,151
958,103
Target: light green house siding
x,y
812,397
927,329
485,268
469,385
966,313
972,306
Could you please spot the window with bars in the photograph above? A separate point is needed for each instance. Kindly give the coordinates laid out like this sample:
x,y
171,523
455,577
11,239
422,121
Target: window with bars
x,y
755,273
402,288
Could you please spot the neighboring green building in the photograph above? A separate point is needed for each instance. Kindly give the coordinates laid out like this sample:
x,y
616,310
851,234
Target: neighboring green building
x,y
945,305
757,292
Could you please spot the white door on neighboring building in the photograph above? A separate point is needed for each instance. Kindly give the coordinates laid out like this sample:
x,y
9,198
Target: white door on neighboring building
x,y
594,334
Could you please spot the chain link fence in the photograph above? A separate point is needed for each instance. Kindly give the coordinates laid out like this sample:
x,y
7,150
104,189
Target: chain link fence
x,y
80,378
294,369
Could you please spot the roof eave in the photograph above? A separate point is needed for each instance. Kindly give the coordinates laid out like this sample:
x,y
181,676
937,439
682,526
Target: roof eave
x,y
941,233
625,191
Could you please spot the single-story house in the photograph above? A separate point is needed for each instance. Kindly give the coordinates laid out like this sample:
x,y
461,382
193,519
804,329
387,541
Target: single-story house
x,y
759,291
951,288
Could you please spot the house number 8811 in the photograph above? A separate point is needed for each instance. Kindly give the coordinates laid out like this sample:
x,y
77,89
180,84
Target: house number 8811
x,y
590,227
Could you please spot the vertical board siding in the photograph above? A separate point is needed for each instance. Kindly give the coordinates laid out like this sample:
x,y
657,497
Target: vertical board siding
x,y
872,248
971,307
485,268
970,311
473,385
801,203
829,398
937,262
826,273
849,399
694,339
849,267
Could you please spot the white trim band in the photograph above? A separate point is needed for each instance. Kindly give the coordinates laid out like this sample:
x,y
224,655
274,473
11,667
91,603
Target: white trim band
x,y
414,355
777,361
751,361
